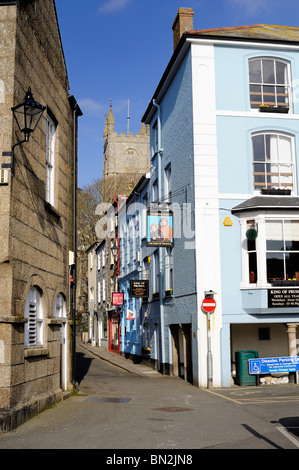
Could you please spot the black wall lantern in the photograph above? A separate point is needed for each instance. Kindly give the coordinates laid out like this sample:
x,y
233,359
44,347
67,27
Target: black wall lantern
x,y
28,114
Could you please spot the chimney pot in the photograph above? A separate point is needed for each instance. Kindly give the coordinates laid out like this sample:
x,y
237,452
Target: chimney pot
x,y
183,22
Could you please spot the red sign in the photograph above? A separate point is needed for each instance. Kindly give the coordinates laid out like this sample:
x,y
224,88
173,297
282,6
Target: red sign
x,y
117,298
208,305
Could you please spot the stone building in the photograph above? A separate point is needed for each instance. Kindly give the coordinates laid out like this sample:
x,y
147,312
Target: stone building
x,y
125,159
37,214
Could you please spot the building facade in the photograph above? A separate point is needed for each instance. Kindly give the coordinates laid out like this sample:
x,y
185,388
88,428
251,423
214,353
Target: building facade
x,y
37,213
229,173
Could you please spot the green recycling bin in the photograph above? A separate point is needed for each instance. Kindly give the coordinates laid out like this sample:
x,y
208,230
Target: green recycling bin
x,y
243,377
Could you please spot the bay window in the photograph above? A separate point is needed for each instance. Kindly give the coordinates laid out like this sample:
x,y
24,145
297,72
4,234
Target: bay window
x,y
273,253
282,250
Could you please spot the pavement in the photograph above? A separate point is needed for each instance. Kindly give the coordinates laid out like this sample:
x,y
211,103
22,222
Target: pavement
x,y
120,361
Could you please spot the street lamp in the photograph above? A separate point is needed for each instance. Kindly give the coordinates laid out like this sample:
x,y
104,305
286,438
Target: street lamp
x,y
114,250
28,114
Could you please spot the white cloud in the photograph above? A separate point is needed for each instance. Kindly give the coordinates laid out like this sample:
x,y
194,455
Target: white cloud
x,y
250,7
91,106
110,6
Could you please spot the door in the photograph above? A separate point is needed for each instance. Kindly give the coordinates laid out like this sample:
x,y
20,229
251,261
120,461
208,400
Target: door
x,y
181,351
114,333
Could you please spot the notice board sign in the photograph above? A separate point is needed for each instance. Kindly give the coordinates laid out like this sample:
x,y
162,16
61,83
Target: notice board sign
x,y
280,298
273,365
139,288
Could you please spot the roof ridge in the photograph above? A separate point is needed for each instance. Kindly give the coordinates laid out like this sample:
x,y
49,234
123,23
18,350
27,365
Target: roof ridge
x,y
233,28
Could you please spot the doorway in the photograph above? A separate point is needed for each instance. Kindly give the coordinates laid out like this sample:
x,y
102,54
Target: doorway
x,y
114,333
182,351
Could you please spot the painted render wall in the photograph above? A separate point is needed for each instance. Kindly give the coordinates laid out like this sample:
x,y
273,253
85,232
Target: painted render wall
x,y
235,124
177,144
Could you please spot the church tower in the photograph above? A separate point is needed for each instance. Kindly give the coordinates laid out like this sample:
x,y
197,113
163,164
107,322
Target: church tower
x,y
126,158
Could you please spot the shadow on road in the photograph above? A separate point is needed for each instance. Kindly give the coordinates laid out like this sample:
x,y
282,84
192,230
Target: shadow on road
x,y
83,363
259,436
291,424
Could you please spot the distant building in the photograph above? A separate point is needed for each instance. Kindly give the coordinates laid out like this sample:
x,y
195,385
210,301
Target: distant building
x,y
37,214
125,159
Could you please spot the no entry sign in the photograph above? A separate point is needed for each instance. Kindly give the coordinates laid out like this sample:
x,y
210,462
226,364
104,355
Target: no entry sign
x,y
208,305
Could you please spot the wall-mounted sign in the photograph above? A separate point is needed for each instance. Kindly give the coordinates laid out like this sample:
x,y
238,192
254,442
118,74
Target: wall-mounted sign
x,y
281,298
139,288
117,298
273,365
160,227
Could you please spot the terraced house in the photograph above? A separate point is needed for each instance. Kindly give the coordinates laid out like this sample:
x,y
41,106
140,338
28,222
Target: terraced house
x,y
224,146
38,165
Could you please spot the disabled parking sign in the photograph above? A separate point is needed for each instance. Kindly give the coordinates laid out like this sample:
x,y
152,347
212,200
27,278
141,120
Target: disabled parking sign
x,y
273,365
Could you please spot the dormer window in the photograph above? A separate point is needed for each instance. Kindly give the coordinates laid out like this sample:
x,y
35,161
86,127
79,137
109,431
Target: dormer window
x,y
269,82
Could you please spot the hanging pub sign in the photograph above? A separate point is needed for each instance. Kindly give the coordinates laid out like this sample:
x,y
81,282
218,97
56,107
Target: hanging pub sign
x,y
159,226
130,314
117,298
139,288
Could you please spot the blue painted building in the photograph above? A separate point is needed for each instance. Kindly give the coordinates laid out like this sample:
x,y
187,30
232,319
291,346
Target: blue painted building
x,y
224,154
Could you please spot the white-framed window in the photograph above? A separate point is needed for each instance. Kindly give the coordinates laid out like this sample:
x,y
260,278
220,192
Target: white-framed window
x,y
99,292
155,192
156,277
272,254
34,328
104,289
273,160
155,136
269,82
169,270
168,183
50,161
60,307
282,249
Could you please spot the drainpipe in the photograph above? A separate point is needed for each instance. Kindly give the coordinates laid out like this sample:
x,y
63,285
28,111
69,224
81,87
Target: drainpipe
x,y
76,113
161,250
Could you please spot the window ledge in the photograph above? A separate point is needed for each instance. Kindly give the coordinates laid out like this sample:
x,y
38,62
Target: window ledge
x,y
35,352
276,192
55,321
52,209
273,109
287,283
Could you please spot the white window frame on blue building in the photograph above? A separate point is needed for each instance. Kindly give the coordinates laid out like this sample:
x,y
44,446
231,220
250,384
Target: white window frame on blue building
x,y
270,88
272,169
260,280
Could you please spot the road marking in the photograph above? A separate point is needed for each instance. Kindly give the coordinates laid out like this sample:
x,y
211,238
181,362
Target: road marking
x,y
222,396
257,400
288,435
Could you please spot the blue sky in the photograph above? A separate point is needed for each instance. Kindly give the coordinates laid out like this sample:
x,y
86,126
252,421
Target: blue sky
x,y
119,49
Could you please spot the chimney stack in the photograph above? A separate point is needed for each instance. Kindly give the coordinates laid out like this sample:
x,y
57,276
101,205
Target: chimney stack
x,y
183,22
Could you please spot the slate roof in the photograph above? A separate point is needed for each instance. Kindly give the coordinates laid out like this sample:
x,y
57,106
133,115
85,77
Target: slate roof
x,y
257,31
268,203
262,33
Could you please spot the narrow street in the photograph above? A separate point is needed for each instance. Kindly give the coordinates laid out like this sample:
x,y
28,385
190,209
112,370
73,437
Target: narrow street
x,y
119,410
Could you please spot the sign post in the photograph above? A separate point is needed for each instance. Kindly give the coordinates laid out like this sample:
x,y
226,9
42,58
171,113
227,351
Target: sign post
x,y
208,305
